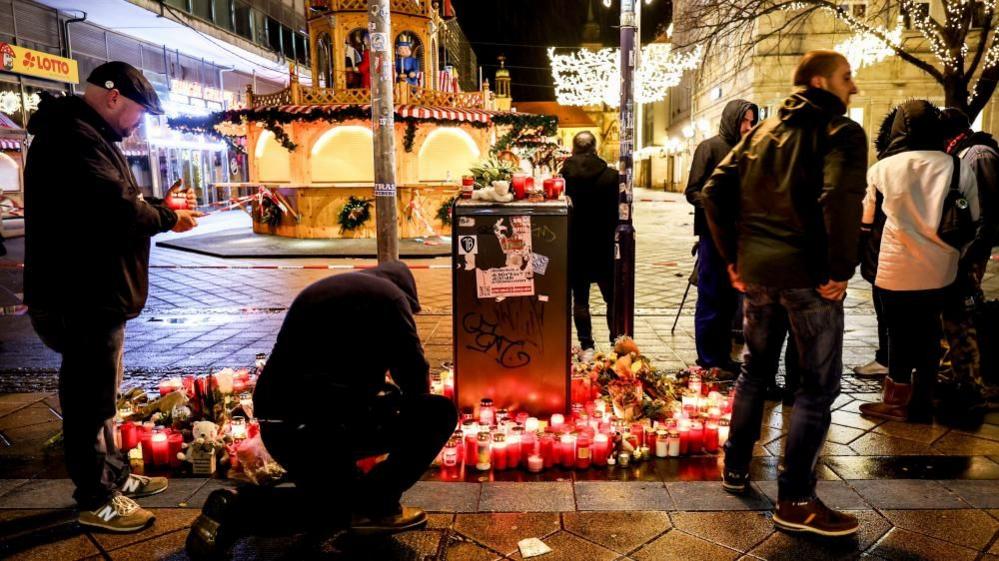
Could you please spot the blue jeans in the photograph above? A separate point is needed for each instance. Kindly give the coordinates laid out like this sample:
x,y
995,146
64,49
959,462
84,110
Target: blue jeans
x,y
717,304
816,326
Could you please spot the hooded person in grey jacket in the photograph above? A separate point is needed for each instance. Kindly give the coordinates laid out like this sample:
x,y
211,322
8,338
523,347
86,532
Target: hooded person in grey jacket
x,y
717,301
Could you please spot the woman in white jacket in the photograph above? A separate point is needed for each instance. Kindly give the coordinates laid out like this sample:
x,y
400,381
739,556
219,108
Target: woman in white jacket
x,y
913,174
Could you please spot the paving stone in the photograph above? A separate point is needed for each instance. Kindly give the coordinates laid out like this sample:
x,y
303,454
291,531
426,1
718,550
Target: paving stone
x,y
167,520
955,443
913,467
709,495
614,495
853,420
784,546
40,493
443,497
31,415
768,469
696,468
906,494
568,547
828,448
918,432
502,531
539,497
738,530
7,485
987,430
197,500
619,531
874,444
979,494
836,494
969,528
462,550
680,546
68,549
903,545
438,521
840,434
177,494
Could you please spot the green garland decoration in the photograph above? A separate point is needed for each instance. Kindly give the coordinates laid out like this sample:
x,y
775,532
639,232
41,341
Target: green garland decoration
x,y
522,125
354,214
444,211
410,136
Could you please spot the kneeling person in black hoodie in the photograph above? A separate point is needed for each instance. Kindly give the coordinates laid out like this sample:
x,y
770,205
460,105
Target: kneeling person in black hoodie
x,y
324,401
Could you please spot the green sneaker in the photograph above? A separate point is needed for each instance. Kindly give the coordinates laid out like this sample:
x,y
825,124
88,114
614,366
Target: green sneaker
x,y
120,514
137,486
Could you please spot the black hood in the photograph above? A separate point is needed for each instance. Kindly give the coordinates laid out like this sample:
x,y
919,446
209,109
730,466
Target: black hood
x,y
731,119
913,125
807,104
55,113
583,166
398,274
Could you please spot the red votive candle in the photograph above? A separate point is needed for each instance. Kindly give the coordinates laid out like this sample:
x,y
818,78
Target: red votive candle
x,y
175,441
528,445
171,385
499,451
583,455
160,448
513,447
696,437
568,441
557,421
601,449
471,447
684,430
129,435
711,436
548,450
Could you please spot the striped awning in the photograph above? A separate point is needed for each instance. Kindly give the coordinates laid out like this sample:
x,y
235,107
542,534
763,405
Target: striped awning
x,y
8,144
408,111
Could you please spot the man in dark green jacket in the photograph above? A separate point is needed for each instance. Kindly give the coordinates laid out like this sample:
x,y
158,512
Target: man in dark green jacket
x,y
784,209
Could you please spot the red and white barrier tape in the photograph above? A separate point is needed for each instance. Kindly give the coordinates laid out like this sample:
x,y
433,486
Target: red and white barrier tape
x,y
270,267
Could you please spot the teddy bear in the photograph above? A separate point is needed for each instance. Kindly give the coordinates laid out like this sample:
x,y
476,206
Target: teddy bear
x,y
203,451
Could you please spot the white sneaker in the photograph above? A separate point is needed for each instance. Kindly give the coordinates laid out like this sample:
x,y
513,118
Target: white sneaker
x,y
587,355
871,369
119,514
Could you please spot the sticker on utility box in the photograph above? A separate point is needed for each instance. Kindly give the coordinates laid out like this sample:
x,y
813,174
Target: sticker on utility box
x,y
466,221
468,245
540,263
503,281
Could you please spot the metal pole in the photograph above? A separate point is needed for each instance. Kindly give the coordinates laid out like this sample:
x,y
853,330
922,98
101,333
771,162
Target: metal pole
x,y
383,125
624,236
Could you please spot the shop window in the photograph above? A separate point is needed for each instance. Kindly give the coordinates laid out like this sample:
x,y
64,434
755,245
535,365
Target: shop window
x,y
343,154
223,14
273,160
243,20
182,4
287,42
202,9
272,34
447,153
301,48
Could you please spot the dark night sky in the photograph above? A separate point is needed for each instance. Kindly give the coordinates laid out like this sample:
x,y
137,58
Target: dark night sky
x,y
524,29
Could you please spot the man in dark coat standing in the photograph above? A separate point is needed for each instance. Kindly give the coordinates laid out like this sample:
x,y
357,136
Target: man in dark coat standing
x,y
323,400
86,271
717,301
592,186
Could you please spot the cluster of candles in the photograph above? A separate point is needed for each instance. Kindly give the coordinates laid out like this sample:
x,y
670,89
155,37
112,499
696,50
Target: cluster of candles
x,y
193,385
495,439
159,446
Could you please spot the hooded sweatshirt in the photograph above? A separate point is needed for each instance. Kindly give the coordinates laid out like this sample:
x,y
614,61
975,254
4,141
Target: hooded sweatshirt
x,y
913,175
592,186
712,151
84,216
981,152
784,206
339,338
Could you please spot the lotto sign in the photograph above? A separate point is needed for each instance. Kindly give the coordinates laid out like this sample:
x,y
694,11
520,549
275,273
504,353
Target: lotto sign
x,y
36,63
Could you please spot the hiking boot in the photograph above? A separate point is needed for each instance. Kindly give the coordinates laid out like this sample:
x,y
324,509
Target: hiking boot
x,y
137,486
120,514
814,517
216,529
872,369
405,519
894,405
735,482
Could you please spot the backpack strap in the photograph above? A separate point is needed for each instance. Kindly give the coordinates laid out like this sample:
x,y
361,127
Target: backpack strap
x,y
955,178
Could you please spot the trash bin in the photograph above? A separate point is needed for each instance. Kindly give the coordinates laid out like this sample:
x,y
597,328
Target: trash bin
x,y
511,305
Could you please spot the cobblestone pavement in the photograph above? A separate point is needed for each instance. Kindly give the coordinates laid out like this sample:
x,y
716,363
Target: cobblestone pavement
x,y
921,491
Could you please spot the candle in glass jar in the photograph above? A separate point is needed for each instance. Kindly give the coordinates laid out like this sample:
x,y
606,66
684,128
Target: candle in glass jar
x,y
684,430
583,452
601,449
548,449
450,456
502,415
662,445
129,435
514,441
723,427
459,445
689,402
568,450
696,437
535,463
528,445
484,452
171,385
557,421
531,424
487,415
237,427
175,442
714,413
499,451
160,446
694,383
673,444
471,446
624,459
711,436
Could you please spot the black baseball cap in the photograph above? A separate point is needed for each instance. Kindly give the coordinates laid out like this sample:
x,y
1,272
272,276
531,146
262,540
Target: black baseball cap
x,y
129,81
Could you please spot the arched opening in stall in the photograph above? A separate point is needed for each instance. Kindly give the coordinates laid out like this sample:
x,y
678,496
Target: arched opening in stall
x,y
343,154
357,66
447,154
273,160
324,60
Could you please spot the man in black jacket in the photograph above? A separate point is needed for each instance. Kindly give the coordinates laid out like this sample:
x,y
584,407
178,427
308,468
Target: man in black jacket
x,y
86,273
965,397
324,403
784,208
717,301
592,186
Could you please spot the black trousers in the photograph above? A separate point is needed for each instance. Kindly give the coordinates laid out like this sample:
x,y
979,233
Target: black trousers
x,y
879,311
320,455
915,328
89,377
581,306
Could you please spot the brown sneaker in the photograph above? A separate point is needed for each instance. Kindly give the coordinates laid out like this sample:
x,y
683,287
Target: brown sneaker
x,y
815,517
408,518
894,405
137,486
120,514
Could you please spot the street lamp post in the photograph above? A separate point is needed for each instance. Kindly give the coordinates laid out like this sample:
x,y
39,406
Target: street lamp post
x,y
624,235
383,125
